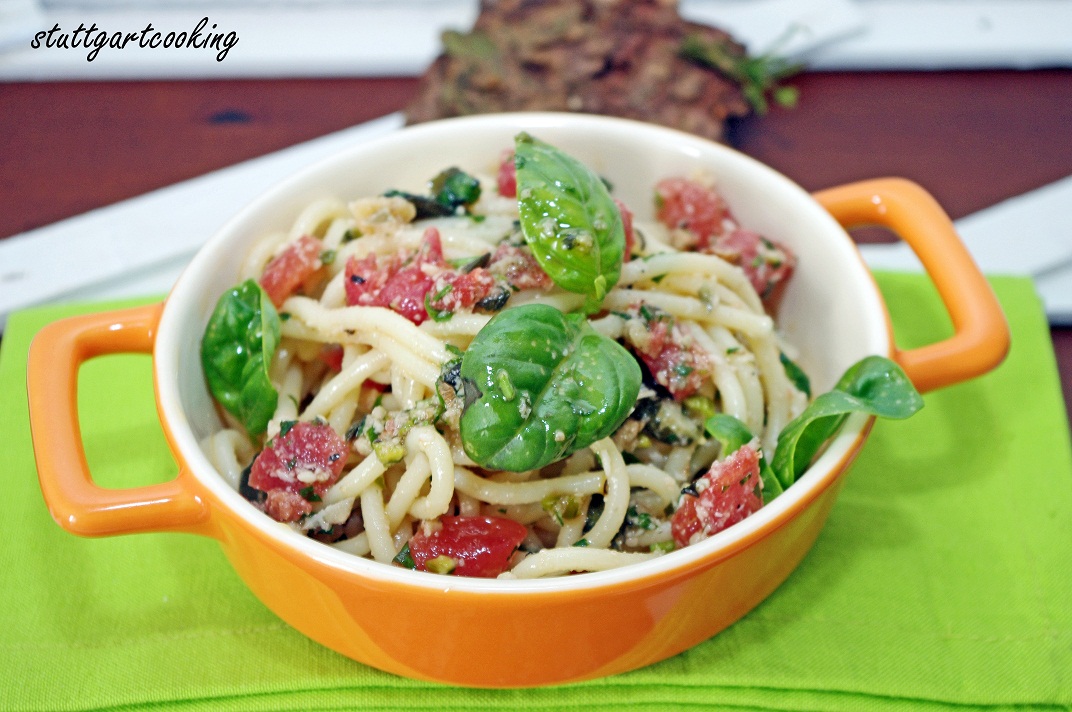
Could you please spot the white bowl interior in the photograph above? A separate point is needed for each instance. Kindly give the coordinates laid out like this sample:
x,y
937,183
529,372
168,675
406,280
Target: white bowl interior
x,y
831,310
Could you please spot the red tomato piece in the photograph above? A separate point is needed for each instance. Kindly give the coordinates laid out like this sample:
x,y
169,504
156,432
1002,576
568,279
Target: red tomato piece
x,y
687,204
518,267
394,285
466,289
404,293
331,355
291,268
309,457
479,546
727,493
405,286
507,178
768,265
675,362
286,506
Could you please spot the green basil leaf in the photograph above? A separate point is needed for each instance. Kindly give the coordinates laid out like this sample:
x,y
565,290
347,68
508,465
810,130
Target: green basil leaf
x,y
539,385
454,188
732,434
405,558
569,220
796,375
729,431
236,350
874,385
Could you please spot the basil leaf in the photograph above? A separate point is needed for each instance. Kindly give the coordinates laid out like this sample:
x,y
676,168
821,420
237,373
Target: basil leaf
x,y
796,375
874,385
236,350
539,385
405,558
732,434
454,188
569,220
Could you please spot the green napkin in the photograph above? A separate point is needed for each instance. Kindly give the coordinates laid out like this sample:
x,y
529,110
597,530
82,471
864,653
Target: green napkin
x,y
943,579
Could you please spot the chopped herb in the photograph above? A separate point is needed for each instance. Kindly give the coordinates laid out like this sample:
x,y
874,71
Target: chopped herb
x,y
438,315
283,316
581,542
327,257
404,558
285,427
355,429
683,369
309,494
642,520
350,235
663,546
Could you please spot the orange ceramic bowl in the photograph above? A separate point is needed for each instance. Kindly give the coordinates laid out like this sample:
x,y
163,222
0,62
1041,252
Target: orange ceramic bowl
x,y
465,631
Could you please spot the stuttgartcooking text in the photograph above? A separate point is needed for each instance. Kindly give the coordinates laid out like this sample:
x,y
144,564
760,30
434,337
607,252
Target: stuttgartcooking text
x,y
95,39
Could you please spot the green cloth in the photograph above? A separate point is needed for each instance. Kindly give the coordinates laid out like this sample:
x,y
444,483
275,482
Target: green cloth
x,y
943,579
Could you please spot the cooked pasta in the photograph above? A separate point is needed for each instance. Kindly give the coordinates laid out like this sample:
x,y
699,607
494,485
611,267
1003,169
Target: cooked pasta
x,y
377,303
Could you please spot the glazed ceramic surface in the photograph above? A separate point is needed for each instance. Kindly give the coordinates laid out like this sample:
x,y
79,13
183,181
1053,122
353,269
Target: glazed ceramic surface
x,y
499,633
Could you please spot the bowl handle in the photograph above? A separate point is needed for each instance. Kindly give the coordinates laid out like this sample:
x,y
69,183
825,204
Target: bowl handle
x,y
980,333
74,500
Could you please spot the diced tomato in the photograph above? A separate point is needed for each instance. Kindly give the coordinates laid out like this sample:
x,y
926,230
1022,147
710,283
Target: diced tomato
x,y
465,289
305,460
286,506
627,223
291,268
727,493
518,267
404,293
331,355
507,178
478,546
403,286
365,277
389,284
686,204
768,265
674,360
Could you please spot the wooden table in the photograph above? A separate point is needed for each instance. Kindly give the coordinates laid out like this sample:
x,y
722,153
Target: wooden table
x,y
971,138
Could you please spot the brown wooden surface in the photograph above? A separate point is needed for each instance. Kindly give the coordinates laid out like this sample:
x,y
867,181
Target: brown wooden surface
x,y
971,138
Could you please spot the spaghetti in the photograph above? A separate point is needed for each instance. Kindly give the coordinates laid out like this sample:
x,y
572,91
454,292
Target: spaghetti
x,y
376,303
